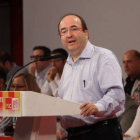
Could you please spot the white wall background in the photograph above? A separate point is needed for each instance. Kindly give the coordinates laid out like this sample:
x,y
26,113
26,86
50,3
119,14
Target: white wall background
x,y
112,24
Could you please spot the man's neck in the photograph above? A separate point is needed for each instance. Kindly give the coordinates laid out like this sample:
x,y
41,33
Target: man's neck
x,y
75,56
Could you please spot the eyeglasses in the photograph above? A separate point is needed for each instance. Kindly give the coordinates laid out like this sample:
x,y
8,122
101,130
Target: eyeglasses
x,y
17,86
55,60
73,30
37,57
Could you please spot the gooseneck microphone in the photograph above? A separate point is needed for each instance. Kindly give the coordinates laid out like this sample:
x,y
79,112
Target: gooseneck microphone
x,y
50,57
41,59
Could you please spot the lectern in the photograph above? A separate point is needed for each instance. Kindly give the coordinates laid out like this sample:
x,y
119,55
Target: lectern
x,y
36,113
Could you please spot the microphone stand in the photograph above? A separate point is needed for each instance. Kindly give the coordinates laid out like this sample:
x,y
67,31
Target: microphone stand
x,y
41,59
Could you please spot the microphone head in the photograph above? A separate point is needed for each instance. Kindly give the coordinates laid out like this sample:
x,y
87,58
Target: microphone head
x,y
50,57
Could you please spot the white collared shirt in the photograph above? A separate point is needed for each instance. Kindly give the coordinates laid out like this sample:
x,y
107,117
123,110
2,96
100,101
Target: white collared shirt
x,y
52,87
95,77
41,77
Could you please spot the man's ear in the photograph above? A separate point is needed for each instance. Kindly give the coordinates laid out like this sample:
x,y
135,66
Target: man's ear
x,y
86,34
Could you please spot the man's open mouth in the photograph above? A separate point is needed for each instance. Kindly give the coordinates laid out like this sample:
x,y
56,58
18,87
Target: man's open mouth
x,y
71,41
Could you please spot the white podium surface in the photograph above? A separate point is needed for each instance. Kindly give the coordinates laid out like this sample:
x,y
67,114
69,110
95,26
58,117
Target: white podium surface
x,y
36,113
35,104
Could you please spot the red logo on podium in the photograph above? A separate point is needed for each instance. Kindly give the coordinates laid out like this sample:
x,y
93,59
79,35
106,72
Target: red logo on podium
x,y
8,103
12,103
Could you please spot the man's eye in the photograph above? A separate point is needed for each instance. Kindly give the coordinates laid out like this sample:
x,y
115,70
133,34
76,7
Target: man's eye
x,y
63,31
74,29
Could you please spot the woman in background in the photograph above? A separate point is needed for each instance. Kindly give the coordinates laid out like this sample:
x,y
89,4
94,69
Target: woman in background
x,y
24,82
21,82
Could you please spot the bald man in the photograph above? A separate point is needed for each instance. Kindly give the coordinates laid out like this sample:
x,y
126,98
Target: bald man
x,y
131,61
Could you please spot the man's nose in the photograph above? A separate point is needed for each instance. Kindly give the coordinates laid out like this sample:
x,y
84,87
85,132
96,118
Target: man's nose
x,y
69,33
53,63
125,65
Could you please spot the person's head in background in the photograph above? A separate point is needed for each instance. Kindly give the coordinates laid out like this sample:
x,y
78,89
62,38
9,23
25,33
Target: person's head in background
x,y
131,61
5,61
2,79
40,52
59,63
24,82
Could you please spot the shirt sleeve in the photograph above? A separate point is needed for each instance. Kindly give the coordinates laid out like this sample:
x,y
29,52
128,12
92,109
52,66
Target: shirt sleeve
x,y
54,88
46,89
110,82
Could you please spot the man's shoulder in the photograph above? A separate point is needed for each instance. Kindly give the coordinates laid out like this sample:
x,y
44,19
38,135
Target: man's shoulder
x,y
102,51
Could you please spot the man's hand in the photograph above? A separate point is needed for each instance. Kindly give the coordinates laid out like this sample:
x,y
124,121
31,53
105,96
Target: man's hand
x,y
88,108
51,74
32,68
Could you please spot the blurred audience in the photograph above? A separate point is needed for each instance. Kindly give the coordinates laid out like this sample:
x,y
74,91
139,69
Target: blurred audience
x,y
54,73
9,66
2,79
40,68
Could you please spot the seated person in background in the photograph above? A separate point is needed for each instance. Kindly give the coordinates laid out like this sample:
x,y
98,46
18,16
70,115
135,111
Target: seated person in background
x,y
2,79
23,82
54,73
40,68
9,67
131,61
134,130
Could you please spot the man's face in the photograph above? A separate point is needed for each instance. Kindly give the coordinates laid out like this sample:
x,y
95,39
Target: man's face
x,y
131,64
57,63
40,65
73,42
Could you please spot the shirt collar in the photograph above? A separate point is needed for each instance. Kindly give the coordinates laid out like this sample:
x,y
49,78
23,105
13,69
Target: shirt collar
x,y
86,53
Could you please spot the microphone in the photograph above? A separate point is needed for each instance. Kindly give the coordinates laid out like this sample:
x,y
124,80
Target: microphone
x,y
41,59
50,57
